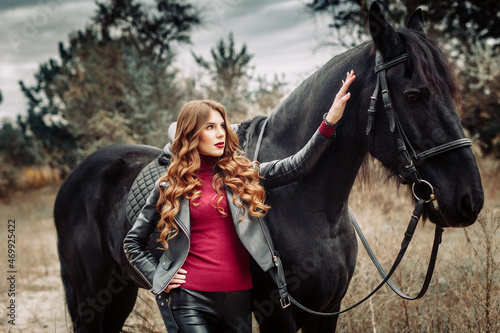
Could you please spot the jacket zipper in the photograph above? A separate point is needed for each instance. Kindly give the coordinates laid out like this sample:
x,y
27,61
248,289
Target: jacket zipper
x,y
275,259
185,257
143,277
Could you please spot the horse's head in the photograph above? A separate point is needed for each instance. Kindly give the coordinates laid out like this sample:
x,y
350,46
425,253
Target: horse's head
x,y
421,137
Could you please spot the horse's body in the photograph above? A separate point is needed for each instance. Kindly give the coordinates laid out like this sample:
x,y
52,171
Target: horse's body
x,y
309,219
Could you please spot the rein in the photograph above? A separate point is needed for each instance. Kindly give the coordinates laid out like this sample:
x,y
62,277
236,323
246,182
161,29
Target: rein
x,y
415,217
259,140
409,156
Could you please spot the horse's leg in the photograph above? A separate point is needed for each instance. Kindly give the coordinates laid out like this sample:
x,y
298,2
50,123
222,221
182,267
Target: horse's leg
x,y
70,293
104,300
92,300
275,323
79,273
322,324
104,295
123,294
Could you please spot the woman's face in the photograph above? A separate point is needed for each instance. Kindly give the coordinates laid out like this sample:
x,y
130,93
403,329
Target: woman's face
x,y
213,135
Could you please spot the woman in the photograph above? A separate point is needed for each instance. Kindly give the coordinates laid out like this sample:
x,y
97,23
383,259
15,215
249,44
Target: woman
x,y
211,201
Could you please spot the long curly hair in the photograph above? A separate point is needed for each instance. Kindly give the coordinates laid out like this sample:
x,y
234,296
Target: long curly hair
x,y
232,170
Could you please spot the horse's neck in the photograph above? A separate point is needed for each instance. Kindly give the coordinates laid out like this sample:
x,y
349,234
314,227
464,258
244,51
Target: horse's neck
x,y
296,119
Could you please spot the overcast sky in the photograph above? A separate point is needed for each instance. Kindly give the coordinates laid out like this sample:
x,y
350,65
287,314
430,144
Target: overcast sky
x,y
281,34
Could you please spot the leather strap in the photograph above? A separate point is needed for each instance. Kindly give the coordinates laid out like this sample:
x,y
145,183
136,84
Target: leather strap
x,y
460,143
280,281
259,140
382,66
417,213
408,236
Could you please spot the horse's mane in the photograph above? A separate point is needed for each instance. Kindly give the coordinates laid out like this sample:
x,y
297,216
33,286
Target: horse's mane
x,y
430,63
242,131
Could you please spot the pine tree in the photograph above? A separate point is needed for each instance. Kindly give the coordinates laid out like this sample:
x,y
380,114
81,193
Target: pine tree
x,y
230,72
114,81
468,29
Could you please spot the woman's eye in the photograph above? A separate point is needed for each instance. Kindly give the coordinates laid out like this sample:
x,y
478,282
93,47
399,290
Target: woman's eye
x,y
210,126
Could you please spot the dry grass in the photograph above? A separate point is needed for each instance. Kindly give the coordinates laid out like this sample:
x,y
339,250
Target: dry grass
x,y
463,296
39,294
26,178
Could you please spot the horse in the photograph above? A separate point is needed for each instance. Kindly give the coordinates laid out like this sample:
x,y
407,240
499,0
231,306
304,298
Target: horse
x,y
310,220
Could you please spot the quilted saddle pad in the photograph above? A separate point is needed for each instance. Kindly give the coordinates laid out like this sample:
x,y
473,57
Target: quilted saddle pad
x,y
143,185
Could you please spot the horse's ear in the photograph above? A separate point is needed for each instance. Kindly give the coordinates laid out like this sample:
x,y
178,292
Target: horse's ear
x,y
384,36
416,21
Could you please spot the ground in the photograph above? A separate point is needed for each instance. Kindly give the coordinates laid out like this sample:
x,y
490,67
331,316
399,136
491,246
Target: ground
x,y
463,295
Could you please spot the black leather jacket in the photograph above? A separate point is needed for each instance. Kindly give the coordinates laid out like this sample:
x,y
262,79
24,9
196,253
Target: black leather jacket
x,y
252,231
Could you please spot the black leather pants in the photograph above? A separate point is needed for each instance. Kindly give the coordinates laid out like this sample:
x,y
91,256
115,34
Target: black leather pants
x,y
211,312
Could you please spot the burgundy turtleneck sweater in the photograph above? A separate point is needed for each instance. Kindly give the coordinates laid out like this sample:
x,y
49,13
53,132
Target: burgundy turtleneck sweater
x,y
217,260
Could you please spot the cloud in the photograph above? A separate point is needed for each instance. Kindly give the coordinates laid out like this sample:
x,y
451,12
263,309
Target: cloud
x,y
281,34
15,4
31,31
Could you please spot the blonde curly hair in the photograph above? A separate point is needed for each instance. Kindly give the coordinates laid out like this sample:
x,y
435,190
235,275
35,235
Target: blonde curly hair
x,y
233,170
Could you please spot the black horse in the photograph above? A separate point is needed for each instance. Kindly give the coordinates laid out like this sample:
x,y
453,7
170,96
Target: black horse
x,y
309,220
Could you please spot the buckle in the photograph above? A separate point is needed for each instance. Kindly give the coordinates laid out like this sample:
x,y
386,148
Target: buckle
x,y
285,302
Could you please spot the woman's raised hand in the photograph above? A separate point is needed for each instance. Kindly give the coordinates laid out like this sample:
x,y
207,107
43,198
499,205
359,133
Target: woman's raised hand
x,y
337,109
177,280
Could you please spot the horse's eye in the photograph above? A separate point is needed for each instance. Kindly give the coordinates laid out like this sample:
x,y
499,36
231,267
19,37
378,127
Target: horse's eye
x,y
412,97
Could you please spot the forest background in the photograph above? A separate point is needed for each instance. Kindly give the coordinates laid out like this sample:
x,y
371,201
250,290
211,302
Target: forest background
x,y
116,81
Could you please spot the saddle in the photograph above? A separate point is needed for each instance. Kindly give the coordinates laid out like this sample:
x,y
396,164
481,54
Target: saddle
x,y
143,185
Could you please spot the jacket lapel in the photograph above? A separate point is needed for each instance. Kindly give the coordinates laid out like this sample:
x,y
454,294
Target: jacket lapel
x,y
236,210
183,216
250,232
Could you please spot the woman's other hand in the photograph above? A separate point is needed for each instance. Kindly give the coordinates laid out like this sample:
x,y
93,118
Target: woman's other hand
x,y
178,280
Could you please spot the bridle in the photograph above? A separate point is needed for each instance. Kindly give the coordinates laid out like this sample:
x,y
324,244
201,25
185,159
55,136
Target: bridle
x,y
409,157
407,153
